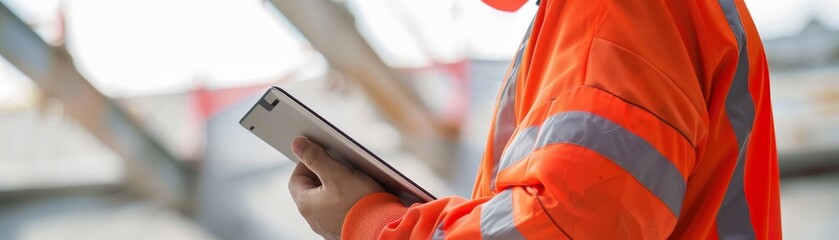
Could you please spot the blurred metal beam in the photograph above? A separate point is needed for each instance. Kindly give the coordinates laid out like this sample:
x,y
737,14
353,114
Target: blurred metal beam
x,y
149,168
24,195
331,30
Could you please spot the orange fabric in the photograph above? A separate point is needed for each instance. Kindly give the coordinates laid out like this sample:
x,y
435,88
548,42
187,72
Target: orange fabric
x,y
422,219
762,180
602,202
583,207
659,73
368,216
590,99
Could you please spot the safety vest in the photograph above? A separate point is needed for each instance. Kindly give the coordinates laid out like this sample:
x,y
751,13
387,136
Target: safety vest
x,y
617,120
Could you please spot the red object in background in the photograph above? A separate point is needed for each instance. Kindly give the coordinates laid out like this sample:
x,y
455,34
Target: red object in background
x,y
209,102
457,100
456,110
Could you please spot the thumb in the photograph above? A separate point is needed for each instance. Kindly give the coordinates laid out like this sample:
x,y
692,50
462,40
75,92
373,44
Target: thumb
x,y
315,158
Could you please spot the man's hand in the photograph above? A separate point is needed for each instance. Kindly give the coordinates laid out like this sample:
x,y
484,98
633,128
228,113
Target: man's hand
x,y
325,189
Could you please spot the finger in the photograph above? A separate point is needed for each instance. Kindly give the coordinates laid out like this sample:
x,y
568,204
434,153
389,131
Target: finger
x,y
301,170
316,159
302,181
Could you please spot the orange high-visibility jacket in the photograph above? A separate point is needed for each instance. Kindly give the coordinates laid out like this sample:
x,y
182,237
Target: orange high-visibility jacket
x,y
618,119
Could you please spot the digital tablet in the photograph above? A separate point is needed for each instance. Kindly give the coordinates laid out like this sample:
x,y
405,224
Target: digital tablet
x,y
278,118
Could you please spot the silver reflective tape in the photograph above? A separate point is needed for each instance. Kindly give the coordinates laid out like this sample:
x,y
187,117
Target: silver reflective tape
x,y
627,150
521,146
505,119
497,219
439,234
733,218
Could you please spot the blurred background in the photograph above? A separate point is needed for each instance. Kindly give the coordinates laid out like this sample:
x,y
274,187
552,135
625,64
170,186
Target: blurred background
x,y
119,119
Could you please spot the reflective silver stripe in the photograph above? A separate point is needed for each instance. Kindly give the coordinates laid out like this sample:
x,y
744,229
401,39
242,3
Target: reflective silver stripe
x,y
505,119
439,234
733,218
497,221
521,146
624,148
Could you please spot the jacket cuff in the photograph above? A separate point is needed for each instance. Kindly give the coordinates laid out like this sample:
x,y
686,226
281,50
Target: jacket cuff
x,y
370,215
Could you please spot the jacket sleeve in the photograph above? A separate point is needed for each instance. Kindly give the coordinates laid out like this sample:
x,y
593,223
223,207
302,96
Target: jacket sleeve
x,y
585,165
382,216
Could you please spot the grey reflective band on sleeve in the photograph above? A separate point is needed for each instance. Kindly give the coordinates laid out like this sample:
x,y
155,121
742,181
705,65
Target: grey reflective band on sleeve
x,y
521,146
439,234
505,119
734,218
624,148
497,219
